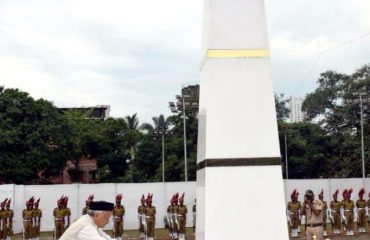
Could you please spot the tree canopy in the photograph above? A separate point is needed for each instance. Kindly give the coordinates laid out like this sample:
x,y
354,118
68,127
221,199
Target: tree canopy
x,y
35,138
335,107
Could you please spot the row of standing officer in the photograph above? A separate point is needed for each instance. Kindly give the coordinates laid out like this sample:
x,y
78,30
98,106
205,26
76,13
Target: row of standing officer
x,y
338,213
6,220
176,217
32,218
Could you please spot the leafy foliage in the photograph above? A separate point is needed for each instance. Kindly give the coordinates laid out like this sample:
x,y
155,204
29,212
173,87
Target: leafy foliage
x,y
335,106
282,110
35,138
308,149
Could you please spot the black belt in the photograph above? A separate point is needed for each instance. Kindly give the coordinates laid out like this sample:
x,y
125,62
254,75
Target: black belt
x,y
314,225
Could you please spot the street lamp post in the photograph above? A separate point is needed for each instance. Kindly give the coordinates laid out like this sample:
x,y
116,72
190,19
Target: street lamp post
x,y
180,105
362,135
286,156
129,162
361,94
358,98
185,145
161,132
287,132
163,180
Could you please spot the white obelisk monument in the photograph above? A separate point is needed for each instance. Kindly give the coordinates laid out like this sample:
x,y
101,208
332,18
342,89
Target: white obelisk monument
x,y
240,193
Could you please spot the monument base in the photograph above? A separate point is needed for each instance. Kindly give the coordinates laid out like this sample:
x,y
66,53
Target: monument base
x,y
244,202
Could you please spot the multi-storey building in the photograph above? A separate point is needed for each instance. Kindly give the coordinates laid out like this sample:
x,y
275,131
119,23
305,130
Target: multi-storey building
x,y
295,105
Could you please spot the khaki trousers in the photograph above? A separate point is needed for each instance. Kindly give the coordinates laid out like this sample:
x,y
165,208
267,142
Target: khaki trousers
x,y
182,224
27,228
361,218
118,227
150,227
318,231
349,217
294,218
59,228
336,218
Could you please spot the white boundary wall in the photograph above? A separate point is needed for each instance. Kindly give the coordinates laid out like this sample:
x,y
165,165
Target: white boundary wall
x,y
78,193
132,192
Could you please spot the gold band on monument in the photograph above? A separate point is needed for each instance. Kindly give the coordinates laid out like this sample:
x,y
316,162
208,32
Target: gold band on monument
x,y
238,53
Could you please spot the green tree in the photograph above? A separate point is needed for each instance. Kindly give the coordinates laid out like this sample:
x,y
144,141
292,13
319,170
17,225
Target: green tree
x,y
133,135
329,106
114,151
148,162
282,110
189,97
34,138
308,149
324,100
86,140
176,146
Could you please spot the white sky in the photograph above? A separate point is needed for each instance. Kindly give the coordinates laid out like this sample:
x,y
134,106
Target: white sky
x,y
135,55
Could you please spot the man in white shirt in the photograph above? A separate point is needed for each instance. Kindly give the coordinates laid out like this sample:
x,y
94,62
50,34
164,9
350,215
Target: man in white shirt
x,y
89,226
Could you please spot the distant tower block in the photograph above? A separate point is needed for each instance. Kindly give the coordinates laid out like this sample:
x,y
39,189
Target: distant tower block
x,y
240,192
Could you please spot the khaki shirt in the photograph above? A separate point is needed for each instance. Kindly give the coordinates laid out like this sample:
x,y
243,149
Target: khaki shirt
x,y
58,213
294,207
118,211
360,203
28,214
335,206
67,212
182,210
311,217
150,211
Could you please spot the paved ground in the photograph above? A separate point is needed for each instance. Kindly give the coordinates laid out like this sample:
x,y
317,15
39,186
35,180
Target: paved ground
x,y
342,236
358,236
162,234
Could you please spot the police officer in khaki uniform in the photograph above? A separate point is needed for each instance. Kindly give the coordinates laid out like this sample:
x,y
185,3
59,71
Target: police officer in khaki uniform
x,y
368,209
66,213
169,218
150,212
324,212
361,211
87,202
9,214
2,219
335,206
194,214
182,211
141,217
28,219
348,211
175,222
313,210
37,221
118,214
343,217
58,214
293,213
